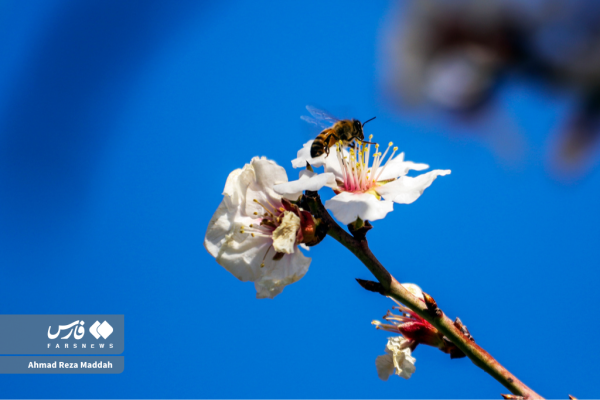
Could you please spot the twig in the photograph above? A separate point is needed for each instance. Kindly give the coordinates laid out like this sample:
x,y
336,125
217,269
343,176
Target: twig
x,y
391,287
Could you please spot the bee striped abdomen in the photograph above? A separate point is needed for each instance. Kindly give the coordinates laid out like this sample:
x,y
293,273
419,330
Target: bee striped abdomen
x,y
318,146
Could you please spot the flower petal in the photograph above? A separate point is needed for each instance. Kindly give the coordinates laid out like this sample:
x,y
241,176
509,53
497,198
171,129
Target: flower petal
x,y
219,226
406,189
303,157
347,206
309,180
243,187
396,344
268,199
407,368
268,173
237,184
332,163
284,236
404,363
242,254
397,167
278,274
385,366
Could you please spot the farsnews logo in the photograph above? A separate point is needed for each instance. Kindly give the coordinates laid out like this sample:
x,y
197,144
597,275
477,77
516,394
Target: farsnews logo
x,y
73,326
98,329
75,330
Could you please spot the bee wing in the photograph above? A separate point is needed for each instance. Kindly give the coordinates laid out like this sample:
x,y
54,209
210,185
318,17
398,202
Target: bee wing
x,y
321,118
310,120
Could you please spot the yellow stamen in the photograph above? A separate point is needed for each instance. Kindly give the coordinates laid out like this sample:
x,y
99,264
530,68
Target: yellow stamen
x,y
267,209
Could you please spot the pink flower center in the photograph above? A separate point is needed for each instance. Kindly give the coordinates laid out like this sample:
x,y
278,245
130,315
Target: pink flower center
x,y
281,223
358,176
266,222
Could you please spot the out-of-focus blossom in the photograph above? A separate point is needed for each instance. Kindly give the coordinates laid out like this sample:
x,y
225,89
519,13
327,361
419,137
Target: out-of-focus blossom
x,y
456,53
569,44
453,52
398,359
364,189
255,233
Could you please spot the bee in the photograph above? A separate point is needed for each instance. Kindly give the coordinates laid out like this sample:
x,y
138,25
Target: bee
x,y
346,130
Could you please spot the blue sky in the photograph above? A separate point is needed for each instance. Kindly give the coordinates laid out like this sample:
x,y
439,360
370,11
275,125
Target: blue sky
x,y
118,127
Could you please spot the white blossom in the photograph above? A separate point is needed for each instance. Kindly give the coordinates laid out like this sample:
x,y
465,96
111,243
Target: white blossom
x,y
251,234
363,190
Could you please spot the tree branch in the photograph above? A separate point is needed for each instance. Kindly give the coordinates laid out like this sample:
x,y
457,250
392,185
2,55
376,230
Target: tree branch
x,y
391,287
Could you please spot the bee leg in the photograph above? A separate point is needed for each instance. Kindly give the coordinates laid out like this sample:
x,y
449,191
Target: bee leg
x,y
326,151
329,142
368,142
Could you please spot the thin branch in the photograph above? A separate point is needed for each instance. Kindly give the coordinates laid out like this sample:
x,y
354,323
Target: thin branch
x,y
391,287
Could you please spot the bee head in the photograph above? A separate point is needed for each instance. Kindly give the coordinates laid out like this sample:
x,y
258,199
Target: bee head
x,y
358,129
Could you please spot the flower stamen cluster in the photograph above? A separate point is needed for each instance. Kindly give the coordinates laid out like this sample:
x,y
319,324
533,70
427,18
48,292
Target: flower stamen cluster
x,y
411,326
358,177
287,224
269,221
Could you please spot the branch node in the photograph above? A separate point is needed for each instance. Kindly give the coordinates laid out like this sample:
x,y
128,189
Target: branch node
x,y
371,286
359,230
432,306
463,329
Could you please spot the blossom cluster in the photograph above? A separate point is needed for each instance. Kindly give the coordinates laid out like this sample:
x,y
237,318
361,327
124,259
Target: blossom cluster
x,y
260,225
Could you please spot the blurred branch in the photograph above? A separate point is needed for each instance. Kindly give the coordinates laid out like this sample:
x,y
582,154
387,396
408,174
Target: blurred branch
x,y
427,310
